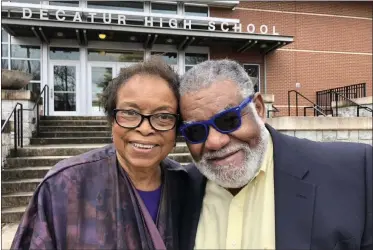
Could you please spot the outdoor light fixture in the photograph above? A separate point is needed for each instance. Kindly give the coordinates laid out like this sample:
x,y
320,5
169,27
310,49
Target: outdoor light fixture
x,y
102,36
263,46
169,40
133,38
59,34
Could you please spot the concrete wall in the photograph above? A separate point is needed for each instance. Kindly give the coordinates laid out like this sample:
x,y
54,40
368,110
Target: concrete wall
x,y
6,141
357,129
9,99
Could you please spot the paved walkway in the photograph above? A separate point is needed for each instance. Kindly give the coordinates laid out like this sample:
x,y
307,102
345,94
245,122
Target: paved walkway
x,y
7,235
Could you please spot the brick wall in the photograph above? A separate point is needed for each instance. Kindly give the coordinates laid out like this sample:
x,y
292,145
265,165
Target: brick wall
x,y
327,52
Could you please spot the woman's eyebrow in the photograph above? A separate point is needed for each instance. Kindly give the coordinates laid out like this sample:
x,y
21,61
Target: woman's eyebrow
x,y
162,108
129,104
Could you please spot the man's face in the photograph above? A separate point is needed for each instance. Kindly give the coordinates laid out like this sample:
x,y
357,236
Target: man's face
x,y
230,160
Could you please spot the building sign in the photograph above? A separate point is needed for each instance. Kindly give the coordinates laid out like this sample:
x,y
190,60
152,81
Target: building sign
x,y
149,21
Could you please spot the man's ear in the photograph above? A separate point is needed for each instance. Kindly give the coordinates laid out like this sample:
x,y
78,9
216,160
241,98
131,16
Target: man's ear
x,y
259,106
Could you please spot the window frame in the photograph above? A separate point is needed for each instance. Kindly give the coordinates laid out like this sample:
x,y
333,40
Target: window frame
x,y
196,5
95,7
164,3
254,64
191,52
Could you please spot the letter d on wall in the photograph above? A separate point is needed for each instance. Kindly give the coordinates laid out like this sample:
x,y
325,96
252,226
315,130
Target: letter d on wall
x,y
24,13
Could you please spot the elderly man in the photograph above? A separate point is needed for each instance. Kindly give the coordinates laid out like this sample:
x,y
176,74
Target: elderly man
x,y
256,188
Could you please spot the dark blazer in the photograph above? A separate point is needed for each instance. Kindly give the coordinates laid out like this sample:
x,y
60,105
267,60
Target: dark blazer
x,y
323,195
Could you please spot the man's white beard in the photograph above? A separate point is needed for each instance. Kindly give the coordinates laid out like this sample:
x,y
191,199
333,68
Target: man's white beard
x,y
233,176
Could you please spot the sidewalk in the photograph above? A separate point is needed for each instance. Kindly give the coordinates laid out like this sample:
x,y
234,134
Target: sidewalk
x,y
7,235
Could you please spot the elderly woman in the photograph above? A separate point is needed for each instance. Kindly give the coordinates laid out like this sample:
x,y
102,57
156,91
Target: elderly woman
x,y
127,195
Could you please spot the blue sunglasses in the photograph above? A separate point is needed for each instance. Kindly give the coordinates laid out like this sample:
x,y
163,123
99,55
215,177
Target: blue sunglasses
x,y
225,122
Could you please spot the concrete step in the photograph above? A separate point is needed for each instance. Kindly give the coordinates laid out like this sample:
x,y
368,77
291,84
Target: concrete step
x,y
16,199
34,161
65,134
72,122
12,215
70,140
100,128
38,172
78,140
72,149
16,195
181,157
103,118
21,185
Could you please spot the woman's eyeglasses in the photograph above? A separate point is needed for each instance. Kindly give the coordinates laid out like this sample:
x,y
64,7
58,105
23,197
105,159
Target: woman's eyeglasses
x,y
225,122
132,119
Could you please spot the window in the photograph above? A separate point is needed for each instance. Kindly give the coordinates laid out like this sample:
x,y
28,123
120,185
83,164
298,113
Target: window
x,y
164,8
115,56
29,66
117,5
192,59
191,10
64,53
4,50
253,71
65,3
21,57
169,57
4,36
25,51
24,1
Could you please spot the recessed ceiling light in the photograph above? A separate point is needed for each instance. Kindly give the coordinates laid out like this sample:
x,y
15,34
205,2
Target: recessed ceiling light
x,y
102,36
263,46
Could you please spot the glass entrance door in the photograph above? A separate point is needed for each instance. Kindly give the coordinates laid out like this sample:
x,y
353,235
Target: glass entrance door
x,y
99,76
64,79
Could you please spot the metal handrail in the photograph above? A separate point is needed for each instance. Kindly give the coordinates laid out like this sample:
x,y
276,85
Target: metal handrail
x,y
273,110
44,91
315,106
18,117
18,126
324,98
350,101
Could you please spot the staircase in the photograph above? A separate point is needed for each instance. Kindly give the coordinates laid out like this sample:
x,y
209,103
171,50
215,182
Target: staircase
x,y
59,138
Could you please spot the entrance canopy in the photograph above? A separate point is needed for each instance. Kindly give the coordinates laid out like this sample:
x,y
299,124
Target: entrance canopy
x,y
48,22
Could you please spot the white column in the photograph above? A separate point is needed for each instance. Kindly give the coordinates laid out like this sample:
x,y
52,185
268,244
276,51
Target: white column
x,y
181,62
83,83
44,67
265,74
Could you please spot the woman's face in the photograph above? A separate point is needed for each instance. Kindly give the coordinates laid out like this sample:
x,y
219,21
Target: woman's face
x,y
144,147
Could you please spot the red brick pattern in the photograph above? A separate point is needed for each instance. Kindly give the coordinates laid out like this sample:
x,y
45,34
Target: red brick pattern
x,y
314,71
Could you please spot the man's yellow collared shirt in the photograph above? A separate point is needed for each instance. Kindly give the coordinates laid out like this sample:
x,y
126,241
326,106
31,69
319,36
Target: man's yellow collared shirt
x,y
244,221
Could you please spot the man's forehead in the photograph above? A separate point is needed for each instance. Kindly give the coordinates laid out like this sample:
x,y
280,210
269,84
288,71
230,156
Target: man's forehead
x,y
202,107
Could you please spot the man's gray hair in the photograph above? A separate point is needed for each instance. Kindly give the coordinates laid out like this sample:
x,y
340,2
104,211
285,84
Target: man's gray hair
x,y
204,74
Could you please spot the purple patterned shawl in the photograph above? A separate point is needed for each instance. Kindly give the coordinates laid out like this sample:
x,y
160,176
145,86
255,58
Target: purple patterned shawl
x,y
87,202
